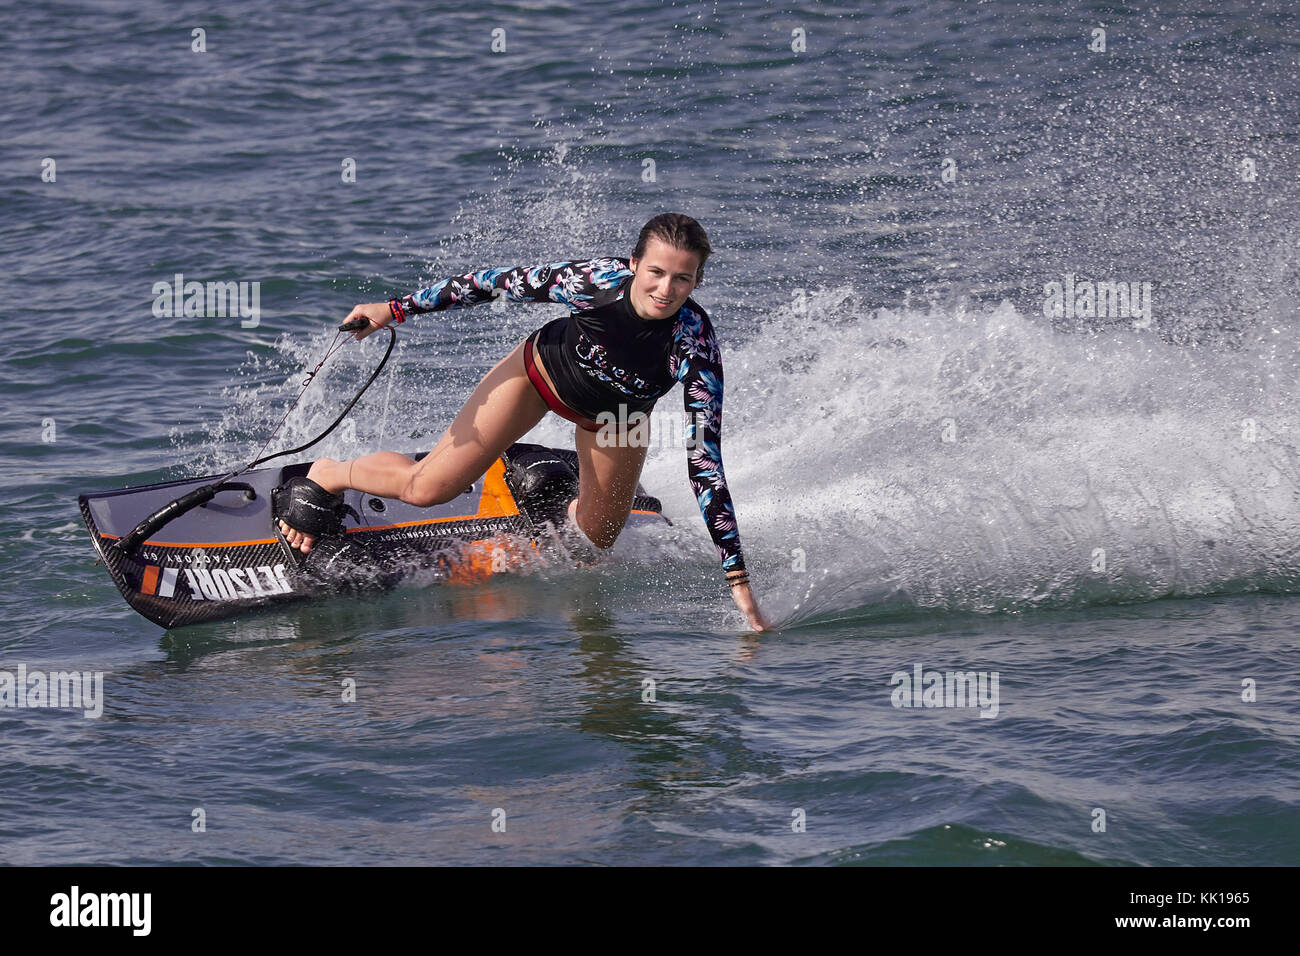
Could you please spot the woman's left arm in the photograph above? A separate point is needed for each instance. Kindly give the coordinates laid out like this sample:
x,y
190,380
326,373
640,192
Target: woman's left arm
x,y
699,369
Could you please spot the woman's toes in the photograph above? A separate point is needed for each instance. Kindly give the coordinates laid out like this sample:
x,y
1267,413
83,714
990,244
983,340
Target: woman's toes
x,y
295,537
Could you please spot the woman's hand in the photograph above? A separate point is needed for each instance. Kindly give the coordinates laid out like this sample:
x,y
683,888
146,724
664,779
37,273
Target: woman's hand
x,y
744,599
378,314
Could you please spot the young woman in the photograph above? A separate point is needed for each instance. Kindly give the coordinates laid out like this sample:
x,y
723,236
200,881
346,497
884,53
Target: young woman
x,y
633,333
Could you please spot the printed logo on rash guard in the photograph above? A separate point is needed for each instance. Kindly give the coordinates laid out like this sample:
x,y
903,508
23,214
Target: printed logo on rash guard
x,y
589,352
218,584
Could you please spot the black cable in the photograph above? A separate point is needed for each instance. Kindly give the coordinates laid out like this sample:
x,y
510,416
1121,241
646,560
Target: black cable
x,y
128,544
392,340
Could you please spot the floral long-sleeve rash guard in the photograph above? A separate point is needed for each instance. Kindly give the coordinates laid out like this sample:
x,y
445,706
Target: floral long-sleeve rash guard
x,y
602,355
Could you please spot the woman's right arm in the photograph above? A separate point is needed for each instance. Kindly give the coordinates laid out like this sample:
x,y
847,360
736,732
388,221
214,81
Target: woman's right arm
x,y
581,284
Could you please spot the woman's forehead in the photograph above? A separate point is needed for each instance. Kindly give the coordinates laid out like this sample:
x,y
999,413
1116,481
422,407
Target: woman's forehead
x,y
662,254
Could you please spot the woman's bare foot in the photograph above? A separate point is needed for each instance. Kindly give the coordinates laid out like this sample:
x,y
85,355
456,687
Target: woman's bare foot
x,y
296,539
320,469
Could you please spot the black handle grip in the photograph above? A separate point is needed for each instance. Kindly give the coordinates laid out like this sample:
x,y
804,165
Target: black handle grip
x,y
250,493
166,513
356,325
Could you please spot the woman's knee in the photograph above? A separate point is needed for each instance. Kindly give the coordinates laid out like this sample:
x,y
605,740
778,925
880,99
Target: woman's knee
x,y
601,529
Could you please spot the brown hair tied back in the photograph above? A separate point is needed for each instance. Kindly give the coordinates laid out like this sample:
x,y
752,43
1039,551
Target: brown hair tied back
x,y
679,231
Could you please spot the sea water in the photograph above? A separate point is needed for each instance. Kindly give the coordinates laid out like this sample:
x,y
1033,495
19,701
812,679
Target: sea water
x,y
1031,543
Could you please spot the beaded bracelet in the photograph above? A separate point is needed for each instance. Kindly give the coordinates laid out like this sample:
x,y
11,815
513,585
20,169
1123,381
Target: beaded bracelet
x,y
399,313
741,579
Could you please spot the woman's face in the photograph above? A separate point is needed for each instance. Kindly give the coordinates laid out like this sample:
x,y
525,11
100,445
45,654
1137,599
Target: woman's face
x,y
665,276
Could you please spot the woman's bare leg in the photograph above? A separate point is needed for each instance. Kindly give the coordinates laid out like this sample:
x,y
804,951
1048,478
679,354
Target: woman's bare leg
x,y
501,410
607,478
